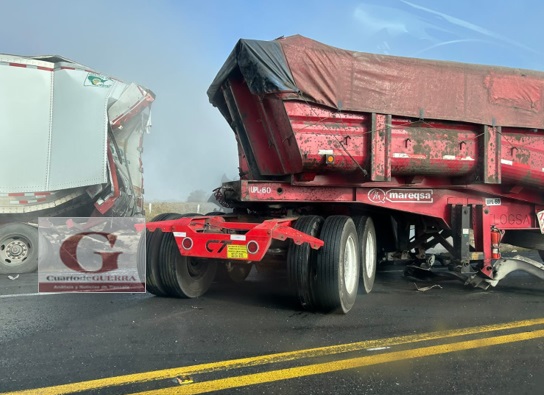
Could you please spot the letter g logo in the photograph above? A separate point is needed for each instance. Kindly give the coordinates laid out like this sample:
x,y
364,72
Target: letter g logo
x,y
68,253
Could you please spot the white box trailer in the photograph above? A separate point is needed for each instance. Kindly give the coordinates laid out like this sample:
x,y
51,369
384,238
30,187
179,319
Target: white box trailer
x,y
70,145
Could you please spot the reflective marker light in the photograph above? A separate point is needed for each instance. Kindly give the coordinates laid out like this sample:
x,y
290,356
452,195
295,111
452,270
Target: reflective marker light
x,y
187,243
252,247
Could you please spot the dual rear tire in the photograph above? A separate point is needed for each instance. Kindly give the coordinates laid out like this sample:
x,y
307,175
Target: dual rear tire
x,y
168,273
369,251
337,265
327,279
323,280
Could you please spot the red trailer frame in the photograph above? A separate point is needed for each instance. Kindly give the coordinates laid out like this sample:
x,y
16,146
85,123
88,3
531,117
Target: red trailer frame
x,y
313,144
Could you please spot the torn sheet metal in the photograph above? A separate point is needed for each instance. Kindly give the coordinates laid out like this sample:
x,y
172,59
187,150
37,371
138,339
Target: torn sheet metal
x,y
54,121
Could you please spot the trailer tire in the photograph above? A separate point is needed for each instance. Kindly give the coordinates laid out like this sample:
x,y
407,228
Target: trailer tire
x,y
301,261
368,247
153,240
182,276
19,248
337,265
142,259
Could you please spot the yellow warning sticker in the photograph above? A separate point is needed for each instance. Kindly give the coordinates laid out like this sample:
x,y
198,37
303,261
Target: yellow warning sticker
x,y
236,251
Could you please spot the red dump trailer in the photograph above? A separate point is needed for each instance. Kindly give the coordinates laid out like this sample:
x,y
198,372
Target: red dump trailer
x,y
348,159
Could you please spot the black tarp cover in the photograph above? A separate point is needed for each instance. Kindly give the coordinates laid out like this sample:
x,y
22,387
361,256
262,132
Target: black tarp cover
x,y
263,67
362,82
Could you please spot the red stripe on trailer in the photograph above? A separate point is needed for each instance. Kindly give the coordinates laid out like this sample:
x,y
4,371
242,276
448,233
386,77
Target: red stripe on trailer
x,y
41,200
67,68
25,66
23,201
29,194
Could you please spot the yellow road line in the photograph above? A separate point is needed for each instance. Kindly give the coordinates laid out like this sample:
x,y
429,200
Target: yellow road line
x,y
269,359
346,364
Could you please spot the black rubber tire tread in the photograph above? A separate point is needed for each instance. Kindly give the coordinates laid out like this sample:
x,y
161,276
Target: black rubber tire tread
x,y
168,261
153,240
30,233
364,225
165,256
174,268
330,293
301,262
142,257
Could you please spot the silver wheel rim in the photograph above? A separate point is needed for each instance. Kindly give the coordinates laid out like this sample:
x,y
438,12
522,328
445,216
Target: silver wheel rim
x,y
350,265
14,250
370,255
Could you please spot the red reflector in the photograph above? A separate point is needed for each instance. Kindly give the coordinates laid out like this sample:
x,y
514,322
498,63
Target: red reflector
x,y
252,247
187,243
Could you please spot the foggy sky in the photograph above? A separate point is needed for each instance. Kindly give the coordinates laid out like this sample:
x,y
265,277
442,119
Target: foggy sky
x,y
175,48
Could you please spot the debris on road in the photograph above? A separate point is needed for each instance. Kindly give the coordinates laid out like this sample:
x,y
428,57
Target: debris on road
x,y
425,289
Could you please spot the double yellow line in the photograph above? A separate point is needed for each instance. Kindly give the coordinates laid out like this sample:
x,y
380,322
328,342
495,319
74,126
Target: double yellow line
x,y
306,370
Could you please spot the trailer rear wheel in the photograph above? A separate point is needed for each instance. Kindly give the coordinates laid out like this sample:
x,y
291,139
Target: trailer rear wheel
x,y
182,276
337,265
368,247
18,248
153,240
185,277
301,261
142,259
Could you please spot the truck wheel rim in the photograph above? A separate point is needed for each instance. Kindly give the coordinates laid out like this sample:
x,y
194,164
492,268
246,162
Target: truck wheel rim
x,y
14,250
350,265
370,255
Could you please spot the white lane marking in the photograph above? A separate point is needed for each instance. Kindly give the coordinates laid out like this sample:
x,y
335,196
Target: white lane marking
x,y
377,348
32,294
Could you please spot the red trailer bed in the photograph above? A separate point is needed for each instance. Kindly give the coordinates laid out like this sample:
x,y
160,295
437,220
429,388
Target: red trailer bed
x,y
410,153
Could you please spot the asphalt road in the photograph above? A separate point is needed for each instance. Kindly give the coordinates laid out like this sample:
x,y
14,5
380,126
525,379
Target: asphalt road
x,y
396,340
